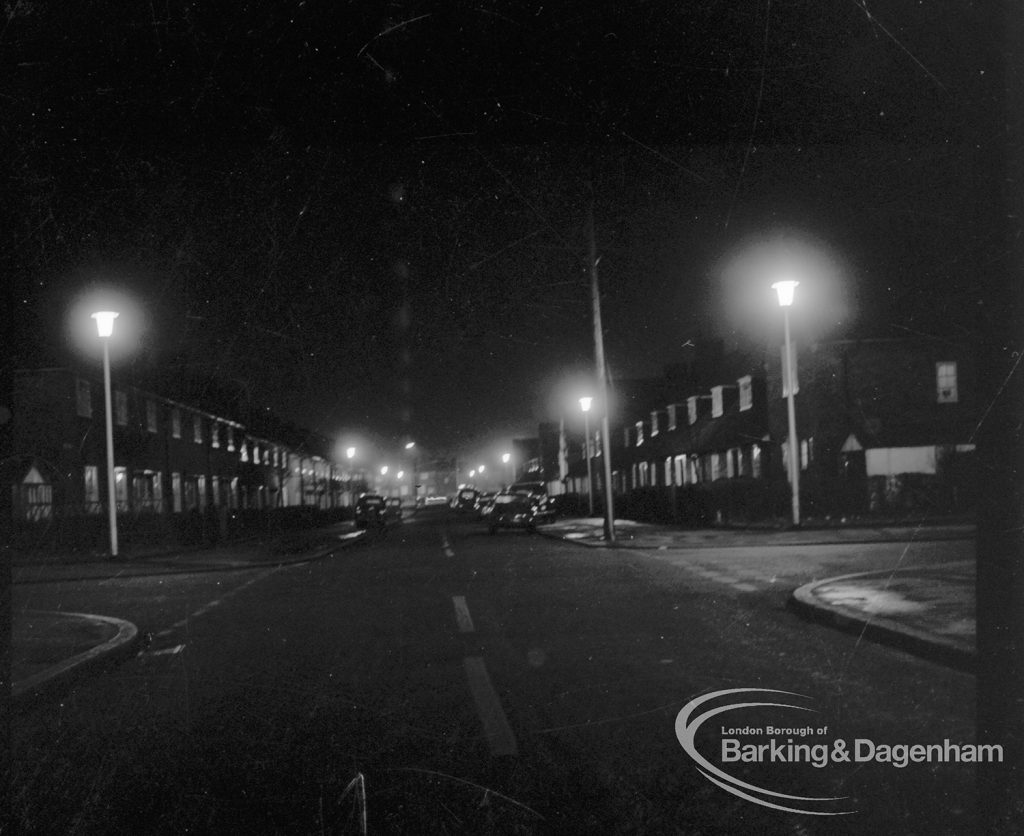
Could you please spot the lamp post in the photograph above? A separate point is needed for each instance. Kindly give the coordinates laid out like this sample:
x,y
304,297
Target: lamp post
x,y
585,406
350,453
411,446
507,459
786,290
105,327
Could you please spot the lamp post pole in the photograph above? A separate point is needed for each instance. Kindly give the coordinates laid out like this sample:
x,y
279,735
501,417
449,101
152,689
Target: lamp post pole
x,y
786,290
105,326
507,459
585,406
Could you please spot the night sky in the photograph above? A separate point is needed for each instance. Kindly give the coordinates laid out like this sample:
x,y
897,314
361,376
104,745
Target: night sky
x,y
372,216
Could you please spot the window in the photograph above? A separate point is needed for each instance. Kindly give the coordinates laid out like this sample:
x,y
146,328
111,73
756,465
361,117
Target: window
x,y
197,429
755,461
654,423
121,408
243,448
146,491
83,398
746,393
176,492
671,417
945,382
92,489
625,436
231,439
214,434
639,433
176,423
121,488
151,419
201,493
215,490
691,408
716,402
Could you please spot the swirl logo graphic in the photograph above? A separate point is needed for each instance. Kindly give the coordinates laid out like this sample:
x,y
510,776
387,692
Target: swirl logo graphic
x,y
689,721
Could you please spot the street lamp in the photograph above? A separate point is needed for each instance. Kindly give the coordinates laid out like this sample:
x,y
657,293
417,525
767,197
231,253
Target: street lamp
x,y
507,459
411,445
786,291
585,406
105,327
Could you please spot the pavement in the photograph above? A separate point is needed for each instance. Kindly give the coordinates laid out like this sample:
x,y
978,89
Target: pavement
x,y
928,610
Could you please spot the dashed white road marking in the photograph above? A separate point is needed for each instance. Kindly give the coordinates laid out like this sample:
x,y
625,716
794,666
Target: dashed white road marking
x,y
167,651
488,706
462,616
205,608
446,546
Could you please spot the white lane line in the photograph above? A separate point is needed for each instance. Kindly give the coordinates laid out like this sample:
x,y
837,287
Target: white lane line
x,y
205,608
446,545
488,706
167,651
462,616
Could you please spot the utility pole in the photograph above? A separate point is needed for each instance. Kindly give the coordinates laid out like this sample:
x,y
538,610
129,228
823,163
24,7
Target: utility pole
x,y
602,373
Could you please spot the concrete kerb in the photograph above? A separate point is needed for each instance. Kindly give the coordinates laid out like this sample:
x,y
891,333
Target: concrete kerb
x,y
122,645
199,569
625,544
880,629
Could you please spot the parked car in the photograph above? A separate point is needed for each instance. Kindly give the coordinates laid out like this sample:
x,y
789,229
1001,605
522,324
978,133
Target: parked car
x,y
484,503
393,509
538,493
465,499
512,510
370,510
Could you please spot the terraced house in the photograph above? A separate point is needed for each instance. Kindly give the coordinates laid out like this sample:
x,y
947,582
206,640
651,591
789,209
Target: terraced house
x,y
175,464
883,426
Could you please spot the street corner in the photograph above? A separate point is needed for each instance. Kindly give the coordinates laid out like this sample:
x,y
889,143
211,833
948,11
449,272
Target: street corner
x,y
49,650
928,611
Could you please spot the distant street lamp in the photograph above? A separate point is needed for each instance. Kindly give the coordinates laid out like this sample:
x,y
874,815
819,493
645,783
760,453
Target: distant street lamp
x,y
411,445
585,406
786,291
507,459
105,327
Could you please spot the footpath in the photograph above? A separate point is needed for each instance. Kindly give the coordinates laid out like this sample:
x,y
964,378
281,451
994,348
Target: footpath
x,y
925,610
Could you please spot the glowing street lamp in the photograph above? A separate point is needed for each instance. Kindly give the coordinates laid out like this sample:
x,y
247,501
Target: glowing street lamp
x,y
507,459
786,291
105,327
585,403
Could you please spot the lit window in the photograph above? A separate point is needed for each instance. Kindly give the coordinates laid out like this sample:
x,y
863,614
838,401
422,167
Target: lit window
x,y
244,451
83,398
755,461
945,382
671,417
121,488
654,423
151,419
197,429
639,433
231,439
214,434
746,393
121,408
691,408
176,492
92,489
176,423
625,436
716,402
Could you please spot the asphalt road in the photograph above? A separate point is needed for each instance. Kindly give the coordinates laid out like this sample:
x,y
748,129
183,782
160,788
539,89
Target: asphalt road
x,y
442,680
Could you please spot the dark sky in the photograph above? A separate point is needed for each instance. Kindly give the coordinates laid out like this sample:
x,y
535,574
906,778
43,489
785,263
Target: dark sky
x,y
372,215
